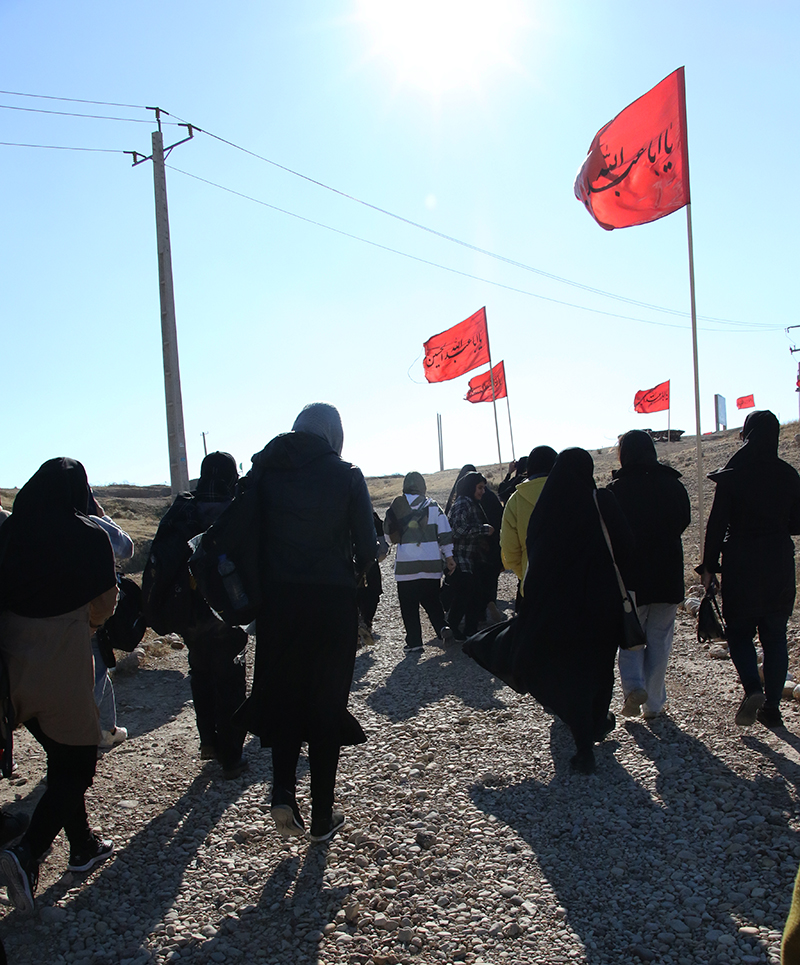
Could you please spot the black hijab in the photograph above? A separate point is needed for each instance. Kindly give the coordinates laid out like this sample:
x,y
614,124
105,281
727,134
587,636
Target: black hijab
x,y
468,483
53,558
563,516
453,492
760,434
218,478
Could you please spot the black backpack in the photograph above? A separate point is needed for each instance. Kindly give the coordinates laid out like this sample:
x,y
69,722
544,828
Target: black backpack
x,y
124,629
166,583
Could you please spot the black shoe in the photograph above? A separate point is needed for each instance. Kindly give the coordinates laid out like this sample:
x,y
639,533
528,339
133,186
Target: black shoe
x,y
95,851
583,762
286,814
208,752
21,872
606,728
748,709
412,647
235,770
12,826
769,716
325,830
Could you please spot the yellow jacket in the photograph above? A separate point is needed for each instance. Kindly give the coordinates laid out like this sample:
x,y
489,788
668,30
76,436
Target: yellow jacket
x,y
514,528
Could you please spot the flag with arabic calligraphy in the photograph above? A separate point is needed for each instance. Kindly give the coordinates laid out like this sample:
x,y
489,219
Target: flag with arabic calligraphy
x,y
746,402
480,388
458,350
637,168
652,400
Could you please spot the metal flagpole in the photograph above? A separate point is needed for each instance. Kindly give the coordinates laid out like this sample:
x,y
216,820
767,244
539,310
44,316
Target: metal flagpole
x,y
698,442
494,401
510,430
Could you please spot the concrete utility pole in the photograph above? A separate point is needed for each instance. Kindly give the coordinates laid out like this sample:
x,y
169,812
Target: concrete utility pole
x,y
176,436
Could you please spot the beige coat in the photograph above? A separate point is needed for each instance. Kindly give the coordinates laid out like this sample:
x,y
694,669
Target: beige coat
x,y
51,672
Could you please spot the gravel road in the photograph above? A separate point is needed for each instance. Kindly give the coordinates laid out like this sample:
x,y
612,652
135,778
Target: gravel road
x,y
467,836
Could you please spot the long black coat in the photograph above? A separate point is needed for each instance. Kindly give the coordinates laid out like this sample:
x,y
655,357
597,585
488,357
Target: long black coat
x,y
656,505
571,623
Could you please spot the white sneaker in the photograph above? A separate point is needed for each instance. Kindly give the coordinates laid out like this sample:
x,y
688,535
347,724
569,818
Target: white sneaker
x,y
111,737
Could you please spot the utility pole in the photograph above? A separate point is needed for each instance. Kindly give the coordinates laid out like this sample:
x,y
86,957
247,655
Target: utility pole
x,y
794,349
176,436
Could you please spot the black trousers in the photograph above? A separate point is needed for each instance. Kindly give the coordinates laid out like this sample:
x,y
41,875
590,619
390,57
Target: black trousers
x,y
218,686
412,595
70,771
368,596
469,603
303,674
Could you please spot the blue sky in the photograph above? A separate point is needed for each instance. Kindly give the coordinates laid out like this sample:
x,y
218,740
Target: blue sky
x,y
473,124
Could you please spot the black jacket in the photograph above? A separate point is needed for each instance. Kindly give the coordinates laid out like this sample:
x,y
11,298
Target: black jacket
x,y
657,508
315,514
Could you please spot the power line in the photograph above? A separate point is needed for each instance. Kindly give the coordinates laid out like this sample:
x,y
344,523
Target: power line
x,y
466,244
73,100
61,147
96,117
433,264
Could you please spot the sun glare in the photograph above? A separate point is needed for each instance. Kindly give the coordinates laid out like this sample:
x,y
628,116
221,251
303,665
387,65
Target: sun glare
x,y
439,46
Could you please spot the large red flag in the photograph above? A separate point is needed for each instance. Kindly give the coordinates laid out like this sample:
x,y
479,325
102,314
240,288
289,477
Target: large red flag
x,y
652,400
480,388
746,402
458,350
637,168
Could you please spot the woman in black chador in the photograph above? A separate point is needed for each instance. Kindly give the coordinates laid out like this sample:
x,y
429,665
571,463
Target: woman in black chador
x,y
756,509
571,625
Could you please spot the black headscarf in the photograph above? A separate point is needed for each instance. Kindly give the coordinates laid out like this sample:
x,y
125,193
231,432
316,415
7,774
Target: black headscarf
x,y
760,435
218,477
564,514
540,461
453,493
637,448
53,558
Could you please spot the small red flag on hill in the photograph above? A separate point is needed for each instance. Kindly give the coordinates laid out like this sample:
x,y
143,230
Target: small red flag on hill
x,y
458,350
746,402
637,168
652,400
480,388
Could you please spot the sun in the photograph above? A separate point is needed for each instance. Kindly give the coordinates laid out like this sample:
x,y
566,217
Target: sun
x,y
441,46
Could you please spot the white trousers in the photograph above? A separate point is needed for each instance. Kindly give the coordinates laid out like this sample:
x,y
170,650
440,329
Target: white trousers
x,y
646,668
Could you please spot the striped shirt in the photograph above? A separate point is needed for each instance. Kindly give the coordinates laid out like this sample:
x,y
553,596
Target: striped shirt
x,y
425,541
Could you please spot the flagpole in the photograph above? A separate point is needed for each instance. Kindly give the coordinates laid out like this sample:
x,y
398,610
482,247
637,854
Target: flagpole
x,y
510,430
494,401
698,441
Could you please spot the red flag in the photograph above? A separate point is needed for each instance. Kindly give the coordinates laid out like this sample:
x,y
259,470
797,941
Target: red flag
x,y
480,388
458,350
746,402
652,400
637,168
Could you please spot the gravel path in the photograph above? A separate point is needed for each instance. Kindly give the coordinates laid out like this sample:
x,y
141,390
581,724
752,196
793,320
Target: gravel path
x,y
467,837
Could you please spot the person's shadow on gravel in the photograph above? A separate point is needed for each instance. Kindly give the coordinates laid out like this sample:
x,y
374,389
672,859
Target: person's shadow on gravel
x,y
286,925
140,884
426,677
148,699
676,873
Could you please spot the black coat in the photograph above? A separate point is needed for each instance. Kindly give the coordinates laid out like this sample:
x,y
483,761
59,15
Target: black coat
x,y
656,505
756,509
315,513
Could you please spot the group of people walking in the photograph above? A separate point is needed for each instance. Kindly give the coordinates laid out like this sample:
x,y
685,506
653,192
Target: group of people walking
x,y
318,539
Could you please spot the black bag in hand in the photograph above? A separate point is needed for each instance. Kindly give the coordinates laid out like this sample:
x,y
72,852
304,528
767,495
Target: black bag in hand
x,y
710,625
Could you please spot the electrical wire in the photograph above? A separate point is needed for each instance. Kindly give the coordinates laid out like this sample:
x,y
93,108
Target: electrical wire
x,y
465,244
510,261
433,264
73,100
61,147
96,117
